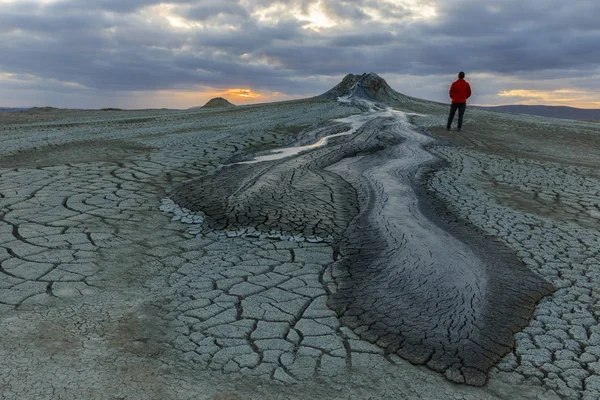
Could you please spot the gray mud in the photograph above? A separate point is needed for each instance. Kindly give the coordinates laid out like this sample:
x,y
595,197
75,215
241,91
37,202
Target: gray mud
x,y
420,285
72,153
288,197
104,296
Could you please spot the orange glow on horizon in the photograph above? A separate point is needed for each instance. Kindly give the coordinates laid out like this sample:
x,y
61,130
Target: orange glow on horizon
x,y
560,97
244,93
199,97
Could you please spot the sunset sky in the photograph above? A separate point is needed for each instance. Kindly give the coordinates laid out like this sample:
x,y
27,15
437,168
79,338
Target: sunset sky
x,y
179,54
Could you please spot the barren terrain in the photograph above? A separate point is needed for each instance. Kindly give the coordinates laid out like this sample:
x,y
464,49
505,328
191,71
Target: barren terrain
x,y
141,257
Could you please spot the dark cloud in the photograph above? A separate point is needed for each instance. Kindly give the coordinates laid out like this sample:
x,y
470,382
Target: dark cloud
x,y
213,8
120,45
117,6
347,10
366,39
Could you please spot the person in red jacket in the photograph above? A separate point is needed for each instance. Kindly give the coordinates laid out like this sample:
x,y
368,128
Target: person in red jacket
x,y
460,91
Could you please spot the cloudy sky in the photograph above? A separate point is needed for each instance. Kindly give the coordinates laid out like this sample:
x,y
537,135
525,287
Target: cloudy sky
x,y
178,53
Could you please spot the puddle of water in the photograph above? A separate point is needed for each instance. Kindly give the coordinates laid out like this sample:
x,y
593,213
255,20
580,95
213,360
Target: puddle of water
x,y
355,121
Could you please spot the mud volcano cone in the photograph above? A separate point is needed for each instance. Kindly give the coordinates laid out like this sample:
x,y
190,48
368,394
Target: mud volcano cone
x,y
368,86
218,102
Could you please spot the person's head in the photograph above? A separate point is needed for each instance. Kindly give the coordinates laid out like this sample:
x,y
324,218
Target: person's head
x,y
461,75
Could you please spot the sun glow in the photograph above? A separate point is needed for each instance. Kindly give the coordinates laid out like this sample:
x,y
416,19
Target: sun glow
x,y
317,18
243,93
319,15
165,12
177,22
562,97
238,96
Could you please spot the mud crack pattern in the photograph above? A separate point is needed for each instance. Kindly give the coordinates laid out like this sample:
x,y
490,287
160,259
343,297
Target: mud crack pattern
x,y
129,304
548,213
403,283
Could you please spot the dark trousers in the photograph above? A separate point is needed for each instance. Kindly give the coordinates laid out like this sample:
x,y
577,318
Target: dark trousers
x,y
461,111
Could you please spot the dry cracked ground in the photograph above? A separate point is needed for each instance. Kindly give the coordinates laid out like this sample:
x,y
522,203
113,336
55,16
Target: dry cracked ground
x,y
138,260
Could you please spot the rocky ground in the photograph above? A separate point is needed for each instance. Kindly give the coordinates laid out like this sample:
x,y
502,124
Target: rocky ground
x,y
104,295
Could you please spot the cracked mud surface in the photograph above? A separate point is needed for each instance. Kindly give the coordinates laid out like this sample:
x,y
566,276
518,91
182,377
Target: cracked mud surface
x,y
429,293
559,348
446,306
103,296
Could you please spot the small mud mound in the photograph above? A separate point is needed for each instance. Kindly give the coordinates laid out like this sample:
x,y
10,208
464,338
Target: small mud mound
x,y
218,102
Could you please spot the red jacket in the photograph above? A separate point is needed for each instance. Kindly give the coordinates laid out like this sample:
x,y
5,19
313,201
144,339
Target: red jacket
x,y
460,91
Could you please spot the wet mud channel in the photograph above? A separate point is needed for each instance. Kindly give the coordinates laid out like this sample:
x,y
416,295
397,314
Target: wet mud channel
x,y
409,277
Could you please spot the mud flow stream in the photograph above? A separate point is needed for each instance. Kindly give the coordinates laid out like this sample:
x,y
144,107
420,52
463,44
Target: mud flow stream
x,y
355,122
410,279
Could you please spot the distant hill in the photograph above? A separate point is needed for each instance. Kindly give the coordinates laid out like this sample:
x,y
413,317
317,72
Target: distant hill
x,y
549,111
11,109
217,102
